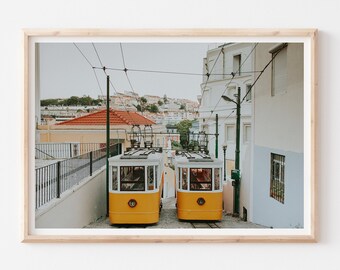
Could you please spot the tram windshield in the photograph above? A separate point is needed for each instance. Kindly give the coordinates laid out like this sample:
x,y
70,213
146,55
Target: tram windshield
x,y
132,178
200,179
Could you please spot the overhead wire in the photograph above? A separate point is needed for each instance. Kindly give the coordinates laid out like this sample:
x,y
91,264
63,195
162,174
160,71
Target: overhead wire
x,y
104,70
208,74
125,70
126,74
233,76
155,71
261,72
88,61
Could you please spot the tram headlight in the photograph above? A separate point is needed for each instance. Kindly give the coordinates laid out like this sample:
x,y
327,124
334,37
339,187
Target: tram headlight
x,y
132,203
200,201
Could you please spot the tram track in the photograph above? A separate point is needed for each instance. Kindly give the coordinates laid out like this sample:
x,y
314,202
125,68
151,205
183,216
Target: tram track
x,y
205,225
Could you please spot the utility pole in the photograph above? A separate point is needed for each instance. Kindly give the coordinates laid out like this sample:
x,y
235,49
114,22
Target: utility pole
x,y
224,162
216,134
236,174
237,154
107,140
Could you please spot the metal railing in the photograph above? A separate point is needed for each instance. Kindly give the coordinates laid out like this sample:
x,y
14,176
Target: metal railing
x,y
64,150
54,179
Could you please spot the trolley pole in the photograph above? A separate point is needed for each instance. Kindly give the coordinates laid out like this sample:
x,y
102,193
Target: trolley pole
x,y
107,140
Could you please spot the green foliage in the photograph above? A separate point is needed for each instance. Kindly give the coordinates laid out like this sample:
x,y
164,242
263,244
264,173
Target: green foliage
x,y
160,103
183,128
138,107
153,108
182,107
72,101
143,100
165,99
49,102
176,145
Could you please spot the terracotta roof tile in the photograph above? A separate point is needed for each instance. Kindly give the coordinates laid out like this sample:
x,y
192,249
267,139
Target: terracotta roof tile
x,y
116,118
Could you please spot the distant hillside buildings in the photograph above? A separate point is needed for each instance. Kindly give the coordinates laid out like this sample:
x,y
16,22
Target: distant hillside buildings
x,y
170,111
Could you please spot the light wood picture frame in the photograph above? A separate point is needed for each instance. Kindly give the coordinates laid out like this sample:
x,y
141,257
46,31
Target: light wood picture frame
x,y
307,233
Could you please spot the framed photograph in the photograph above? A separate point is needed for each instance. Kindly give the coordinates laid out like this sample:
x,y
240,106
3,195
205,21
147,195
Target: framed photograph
x,y
159,135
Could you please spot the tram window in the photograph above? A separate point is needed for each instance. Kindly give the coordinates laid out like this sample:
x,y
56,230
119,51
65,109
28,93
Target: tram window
x,y
200,179
150,176
114,178
156,176
217,178
184,178
132,178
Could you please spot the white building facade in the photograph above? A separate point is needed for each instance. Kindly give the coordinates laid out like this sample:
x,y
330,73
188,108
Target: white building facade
x,y
232,69
278,160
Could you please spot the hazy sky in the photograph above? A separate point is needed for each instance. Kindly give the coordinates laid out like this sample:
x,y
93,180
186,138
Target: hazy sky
x,y
64,72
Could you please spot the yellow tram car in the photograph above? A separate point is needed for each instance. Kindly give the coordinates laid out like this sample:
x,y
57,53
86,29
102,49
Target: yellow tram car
x,y
136,184
199,192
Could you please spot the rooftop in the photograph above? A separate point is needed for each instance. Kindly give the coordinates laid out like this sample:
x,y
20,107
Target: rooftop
x,y
116,118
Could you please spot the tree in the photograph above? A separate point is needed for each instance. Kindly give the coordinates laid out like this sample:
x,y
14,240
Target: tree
x,y
85,100
183,128
153,108
49,102
138,107
175,145
142,104
165,99
72,101
182,107
160,103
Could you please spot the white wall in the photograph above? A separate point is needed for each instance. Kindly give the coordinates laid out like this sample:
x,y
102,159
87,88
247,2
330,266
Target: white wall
x,y
15,15
78,206
280,132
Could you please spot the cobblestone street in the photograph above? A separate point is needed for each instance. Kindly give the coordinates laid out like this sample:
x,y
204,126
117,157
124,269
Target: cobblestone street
x,y
168,220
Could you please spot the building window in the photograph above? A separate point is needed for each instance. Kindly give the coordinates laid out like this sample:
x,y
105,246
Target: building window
x,y
246,133
277,177
279,69
248,92
231,91
230,166
237,64
230,133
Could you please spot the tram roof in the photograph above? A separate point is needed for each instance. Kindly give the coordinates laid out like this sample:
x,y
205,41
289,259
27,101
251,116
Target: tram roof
x,y
196,158
139,155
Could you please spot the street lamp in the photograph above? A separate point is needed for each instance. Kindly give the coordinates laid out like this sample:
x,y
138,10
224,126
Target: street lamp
x,y
235,174
224,165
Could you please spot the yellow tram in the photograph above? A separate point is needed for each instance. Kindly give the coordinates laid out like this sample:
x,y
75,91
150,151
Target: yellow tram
x,y
198,186
135,186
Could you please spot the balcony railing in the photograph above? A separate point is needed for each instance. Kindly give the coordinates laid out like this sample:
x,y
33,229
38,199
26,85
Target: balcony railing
x,y
56,178
64,150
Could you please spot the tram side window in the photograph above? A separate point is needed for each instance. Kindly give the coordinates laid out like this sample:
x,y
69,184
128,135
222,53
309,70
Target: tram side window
x,y
150,175
132,178
114,178
217,178
156,177
184,178
200,179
